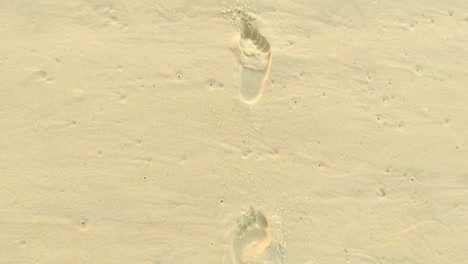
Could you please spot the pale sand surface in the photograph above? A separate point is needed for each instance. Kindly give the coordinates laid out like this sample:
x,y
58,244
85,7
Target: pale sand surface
x,y
124,139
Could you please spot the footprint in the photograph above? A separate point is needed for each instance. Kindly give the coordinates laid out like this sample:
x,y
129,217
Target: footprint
x,y
254,53
251,242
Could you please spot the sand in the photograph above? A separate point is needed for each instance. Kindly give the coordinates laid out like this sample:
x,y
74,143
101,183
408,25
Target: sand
x,y
170,132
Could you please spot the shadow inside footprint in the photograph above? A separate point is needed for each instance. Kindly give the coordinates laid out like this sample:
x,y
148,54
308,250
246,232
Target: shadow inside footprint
x,y
250,32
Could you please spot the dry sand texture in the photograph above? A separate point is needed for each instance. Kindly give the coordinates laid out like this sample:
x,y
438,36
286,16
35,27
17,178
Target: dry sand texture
x,y
306,131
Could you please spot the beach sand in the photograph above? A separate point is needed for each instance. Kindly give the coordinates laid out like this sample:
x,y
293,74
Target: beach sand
x,y
164,132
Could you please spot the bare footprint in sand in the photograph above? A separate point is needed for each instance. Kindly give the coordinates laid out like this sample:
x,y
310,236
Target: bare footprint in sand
x,y
251,241
254,54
